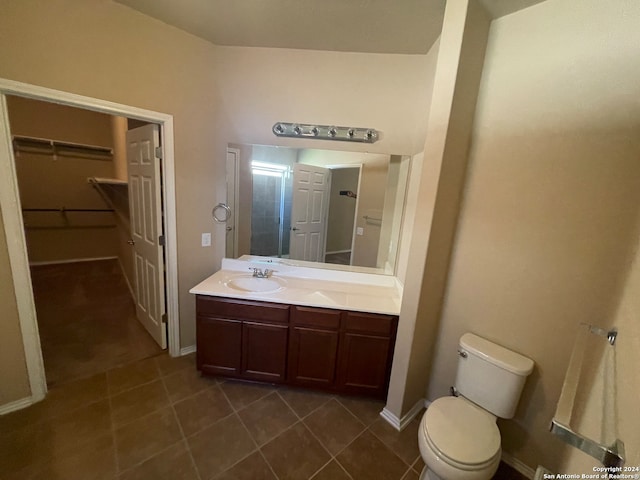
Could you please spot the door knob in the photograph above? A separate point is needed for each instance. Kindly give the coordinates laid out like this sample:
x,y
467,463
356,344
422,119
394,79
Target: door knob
x,y
131,242
295,228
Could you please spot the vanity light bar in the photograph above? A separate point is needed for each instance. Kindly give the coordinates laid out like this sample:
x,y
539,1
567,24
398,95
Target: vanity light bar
x,y
325,132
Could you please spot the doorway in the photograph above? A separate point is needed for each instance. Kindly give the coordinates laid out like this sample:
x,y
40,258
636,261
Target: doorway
x,y
79,179
14,225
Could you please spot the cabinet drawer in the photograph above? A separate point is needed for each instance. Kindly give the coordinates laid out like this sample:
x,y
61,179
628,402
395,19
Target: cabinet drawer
x,y
370,323
316,317
242,309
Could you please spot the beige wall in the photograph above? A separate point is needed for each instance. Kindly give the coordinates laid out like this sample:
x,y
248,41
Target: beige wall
x,y
371,194
551,203
261,86
14,383
409,215
455,89
627,360
48,181
392,214
341,209
105,50
33,118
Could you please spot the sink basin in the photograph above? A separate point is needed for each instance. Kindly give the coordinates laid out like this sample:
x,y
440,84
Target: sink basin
x,y
249,283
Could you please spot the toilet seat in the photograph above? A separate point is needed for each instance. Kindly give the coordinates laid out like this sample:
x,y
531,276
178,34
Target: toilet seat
x,y
461,433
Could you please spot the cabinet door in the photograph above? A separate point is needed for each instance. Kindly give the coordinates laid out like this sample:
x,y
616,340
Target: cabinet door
x,y
264,351
366,349
313,348
219,343
313,355
364,364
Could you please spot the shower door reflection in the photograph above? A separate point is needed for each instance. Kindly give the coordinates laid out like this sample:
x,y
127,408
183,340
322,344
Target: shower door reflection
x,y
270,210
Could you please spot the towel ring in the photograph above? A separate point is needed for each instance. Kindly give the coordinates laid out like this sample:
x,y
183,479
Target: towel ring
x,y
217,208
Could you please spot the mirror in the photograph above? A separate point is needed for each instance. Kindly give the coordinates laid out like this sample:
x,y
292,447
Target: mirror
x,y
339,210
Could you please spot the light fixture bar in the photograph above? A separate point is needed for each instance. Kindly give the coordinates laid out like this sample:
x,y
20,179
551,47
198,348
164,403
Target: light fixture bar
x,y
325,132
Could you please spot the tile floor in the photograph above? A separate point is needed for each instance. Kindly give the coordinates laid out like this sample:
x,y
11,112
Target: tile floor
x,y
158,419
86,319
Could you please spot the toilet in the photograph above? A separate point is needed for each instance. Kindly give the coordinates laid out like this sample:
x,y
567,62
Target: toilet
x,y
458,435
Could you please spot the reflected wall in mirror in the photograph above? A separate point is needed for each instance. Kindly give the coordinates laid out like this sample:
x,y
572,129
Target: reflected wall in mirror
x,y
336,208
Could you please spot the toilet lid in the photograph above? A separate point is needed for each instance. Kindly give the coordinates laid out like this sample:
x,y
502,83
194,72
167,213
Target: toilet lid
x,y
461,431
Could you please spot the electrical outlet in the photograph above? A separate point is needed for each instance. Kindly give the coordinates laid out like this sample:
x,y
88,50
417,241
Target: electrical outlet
x,y
206,239
359,231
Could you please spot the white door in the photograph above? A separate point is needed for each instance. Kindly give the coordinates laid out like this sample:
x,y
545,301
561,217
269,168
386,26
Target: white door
x,y
231,249
145,206
310,204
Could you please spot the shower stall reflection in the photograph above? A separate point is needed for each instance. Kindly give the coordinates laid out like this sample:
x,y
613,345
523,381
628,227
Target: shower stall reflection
x,y
271,209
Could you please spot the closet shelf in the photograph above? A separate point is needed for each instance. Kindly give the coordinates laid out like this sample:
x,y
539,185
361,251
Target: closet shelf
x,y
59,148
106,181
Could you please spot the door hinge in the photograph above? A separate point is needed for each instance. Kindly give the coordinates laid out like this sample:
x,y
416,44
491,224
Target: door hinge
x,y
165,319
161,240
159,152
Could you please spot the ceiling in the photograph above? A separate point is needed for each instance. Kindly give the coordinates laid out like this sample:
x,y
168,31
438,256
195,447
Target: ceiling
x,y
371,26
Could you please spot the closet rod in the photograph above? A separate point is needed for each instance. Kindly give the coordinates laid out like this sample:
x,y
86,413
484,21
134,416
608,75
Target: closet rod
x,y
21,142
63,210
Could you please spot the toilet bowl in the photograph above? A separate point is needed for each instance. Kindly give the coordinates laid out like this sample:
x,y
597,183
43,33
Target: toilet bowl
x,y
458,435
458,441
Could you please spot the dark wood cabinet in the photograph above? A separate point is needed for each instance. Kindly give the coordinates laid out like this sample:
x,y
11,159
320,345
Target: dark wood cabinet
x,y
335,350
242,339
366,349
226,335
313,347
264,351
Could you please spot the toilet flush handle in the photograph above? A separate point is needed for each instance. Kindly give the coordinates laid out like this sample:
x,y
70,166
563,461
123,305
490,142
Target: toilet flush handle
x,y
462,353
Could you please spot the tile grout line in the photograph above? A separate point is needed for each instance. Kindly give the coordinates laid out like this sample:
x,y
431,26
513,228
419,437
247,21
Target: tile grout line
x,y
301,420
183,439
353,414
368,428
175,416
258,449
113,430
311,412
332,457
391,449
160,378
274,389
415,462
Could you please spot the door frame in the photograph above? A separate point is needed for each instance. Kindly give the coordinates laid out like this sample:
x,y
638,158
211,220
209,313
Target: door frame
x,y
236,196
14,225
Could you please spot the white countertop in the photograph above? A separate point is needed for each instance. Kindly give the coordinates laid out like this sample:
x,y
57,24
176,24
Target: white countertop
x,y
313,287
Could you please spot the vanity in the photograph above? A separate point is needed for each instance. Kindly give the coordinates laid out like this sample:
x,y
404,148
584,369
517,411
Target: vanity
x,y
300,321
322,329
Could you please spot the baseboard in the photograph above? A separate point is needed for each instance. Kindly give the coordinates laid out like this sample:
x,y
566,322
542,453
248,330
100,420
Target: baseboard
x,y
16,405
187,350
71,260
400,423
524,469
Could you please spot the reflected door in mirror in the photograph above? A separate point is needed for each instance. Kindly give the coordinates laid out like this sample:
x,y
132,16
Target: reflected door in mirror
x,y
311,186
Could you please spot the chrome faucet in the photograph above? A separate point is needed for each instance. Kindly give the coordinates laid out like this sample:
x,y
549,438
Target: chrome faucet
x,y
258,273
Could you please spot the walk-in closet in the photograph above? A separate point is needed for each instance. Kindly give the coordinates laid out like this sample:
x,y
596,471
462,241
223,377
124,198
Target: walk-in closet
x,y
72,177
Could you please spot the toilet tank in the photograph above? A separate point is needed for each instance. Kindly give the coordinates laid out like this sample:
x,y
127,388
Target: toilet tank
x,y
490,375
